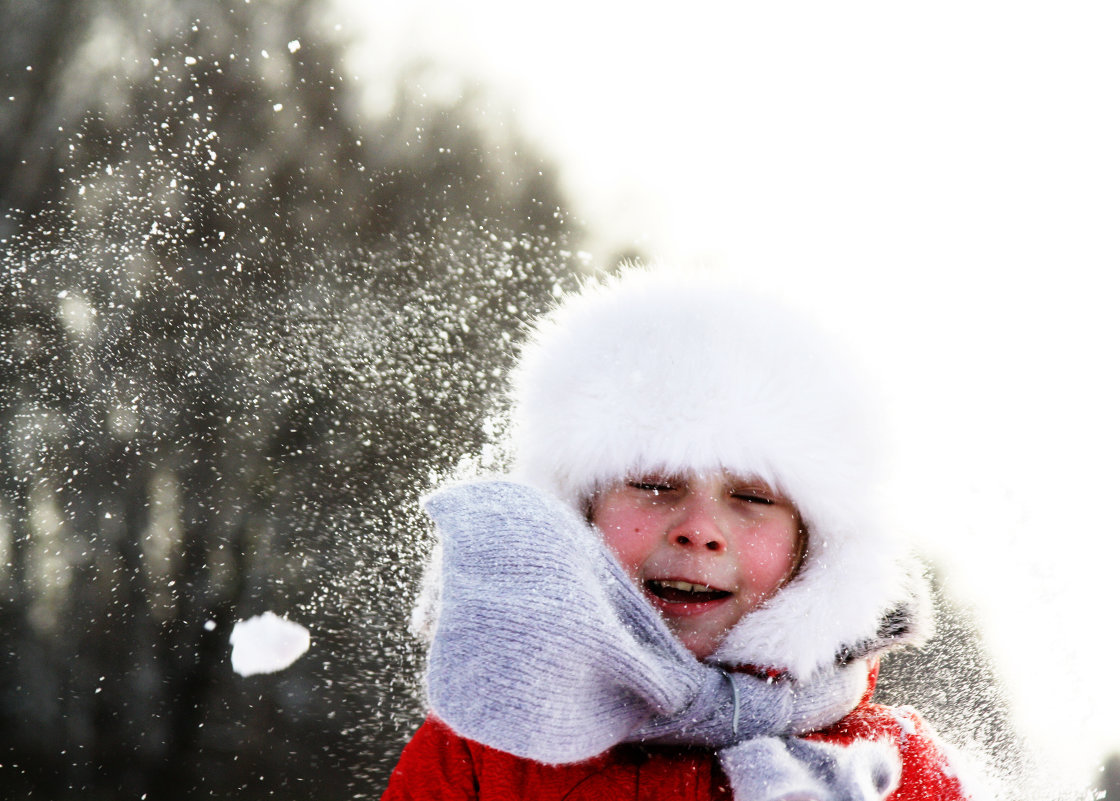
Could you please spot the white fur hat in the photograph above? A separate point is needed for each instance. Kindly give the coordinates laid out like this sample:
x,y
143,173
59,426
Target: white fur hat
x,y
663,371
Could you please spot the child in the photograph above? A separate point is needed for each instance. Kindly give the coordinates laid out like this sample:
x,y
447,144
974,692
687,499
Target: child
x,y
714,633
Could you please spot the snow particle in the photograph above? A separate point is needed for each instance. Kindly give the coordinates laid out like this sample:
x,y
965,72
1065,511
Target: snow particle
x,y
293,45
267,643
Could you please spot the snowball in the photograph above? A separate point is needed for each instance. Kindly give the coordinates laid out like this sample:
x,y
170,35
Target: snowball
x,y
267,643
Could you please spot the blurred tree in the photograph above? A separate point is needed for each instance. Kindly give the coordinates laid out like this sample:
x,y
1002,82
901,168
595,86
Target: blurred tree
x,y
35,46
239,325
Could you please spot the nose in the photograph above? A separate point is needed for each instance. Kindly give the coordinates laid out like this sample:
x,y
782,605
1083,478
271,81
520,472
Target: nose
x,y
699,527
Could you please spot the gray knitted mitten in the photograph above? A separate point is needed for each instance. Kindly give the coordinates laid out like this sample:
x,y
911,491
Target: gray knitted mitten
x,y
789,769
545,649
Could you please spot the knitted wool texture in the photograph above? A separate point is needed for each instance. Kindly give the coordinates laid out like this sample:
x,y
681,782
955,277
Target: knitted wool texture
x,y
543,648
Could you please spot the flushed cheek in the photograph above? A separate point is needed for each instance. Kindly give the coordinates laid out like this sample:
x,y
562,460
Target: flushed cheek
x,y
769,561
630,537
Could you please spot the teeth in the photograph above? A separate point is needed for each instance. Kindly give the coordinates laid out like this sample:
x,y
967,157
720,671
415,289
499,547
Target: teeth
x,y
684,586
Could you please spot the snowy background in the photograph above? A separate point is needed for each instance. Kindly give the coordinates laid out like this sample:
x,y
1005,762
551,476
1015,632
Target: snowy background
x,y
263,262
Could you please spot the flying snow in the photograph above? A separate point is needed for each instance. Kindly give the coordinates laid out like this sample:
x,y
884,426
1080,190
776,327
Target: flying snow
x,y
267,643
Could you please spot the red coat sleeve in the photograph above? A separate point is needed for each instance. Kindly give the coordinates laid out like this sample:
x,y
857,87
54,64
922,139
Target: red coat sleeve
x,y
436,765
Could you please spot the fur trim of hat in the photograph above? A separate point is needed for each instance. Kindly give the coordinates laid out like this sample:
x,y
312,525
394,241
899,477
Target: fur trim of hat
x,y
661,371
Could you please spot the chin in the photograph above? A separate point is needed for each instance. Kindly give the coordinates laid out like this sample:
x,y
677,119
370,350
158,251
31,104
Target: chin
x,y
701,648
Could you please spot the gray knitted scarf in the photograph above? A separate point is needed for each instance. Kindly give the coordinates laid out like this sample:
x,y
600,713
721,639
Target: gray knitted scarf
x,y
543,648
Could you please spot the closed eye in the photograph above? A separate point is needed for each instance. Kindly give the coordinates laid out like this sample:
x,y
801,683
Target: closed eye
x,y
751,498
651,486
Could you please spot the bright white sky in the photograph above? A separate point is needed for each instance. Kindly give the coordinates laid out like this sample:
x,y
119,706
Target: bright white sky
x,y
940,184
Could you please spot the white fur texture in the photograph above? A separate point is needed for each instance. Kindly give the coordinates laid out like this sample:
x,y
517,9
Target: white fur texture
x,y
660,371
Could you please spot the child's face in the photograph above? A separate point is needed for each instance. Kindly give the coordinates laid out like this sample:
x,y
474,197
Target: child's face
x,y
706,549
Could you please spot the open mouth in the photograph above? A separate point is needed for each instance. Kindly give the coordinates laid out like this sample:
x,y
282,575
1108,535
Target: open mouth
x,y
684,592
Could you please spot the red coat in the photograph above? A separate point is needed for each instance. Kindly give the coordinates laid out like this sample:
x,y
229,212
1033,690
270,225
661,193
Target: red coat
x,y
438,764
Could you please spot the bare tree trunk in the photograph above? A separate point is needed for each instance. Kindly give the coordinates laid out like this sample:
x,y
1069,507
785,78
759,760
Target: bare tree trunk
x,y
48,31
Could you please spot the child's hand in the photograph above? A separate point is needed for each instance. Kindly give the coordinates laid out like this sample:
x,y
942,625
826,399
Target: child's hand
x,y
542,647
